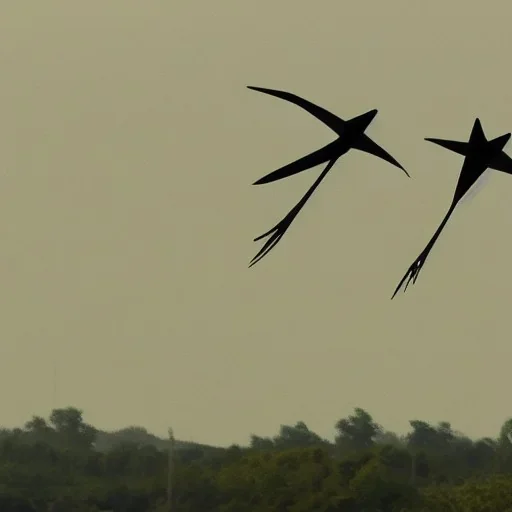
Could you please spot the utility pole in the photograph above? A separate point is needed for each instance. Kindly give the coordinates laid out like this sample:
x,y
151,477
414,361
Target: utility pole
x,y
54,391
413,467
170,471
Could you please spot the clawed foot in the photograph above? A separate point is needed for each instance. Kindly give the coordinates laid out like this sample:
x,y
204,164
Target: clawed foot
x,y
276,233
411,274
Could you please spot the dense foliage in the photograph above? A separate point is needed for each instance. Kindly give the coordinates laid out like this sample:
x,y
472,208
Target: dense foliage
x,y
64,464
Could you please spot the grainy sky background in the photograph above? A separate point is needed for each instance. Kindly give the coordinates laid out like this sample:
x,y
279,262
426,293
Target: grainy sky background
x,y
128,145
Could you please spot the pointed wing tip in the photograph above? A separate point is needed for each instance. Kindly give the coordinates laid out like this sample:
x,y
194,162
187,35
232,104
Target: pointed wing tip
x,y
401,167
253,88
270,178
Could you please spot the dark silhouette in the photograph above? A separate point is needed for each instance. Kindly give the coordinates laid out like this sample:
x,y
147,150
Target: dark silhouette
x,y
350,136
480,154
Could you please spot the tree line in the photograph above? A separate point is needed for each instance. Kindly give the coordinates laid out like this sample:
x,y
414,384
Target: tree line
x,y
65,464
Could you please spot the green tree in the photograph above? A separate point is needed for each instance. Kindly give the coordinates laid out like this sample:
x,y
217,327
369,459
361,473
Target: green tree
x,y
423,435
384,437
261,443
375,488
38,430
357,432
296,436
72,432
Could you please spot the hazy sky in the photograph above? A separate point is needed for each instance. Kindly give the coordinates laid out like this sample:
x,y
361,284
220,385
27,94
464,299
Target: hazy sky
x,y
128,145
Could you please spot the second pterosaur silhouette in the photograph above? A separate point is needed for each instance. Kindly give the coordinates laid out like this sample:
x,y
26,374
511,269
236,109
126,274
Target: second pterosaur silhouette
x,y
350,136
480,154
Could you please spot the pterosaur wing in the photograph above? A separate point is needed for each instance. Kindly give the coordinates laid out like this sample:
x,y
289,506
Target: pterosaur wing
x,y
306,162
333,122
502,163
364,143
457,147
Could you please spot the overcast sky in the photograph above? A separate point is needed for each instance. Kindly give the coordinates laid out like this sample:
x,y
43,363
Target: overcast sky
x,y
128,145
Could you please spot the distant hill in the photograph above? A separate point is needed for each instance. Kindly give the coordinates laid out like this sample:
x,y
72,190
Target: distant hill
x,y
106,441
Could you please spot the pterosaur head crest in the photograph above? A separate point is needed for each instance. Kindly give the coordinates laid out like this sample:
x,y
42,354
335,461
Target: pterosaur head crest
x,y
477,133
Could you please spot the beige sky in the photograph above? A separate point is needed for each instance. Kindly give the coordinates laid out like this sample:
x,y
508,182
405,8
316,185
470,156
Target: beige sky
x,y
128,143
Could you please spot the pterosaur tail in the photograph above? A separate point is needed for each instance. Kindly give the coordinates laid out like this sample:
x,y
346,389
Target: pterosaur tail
x,y
326,117
277,232
302,164
457,147
369,146
413,271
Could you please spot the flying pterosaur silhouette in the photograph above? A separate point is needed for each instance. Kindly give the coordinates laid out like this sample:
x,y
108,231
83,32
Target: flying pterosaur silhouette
x,y
350,136
480,154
